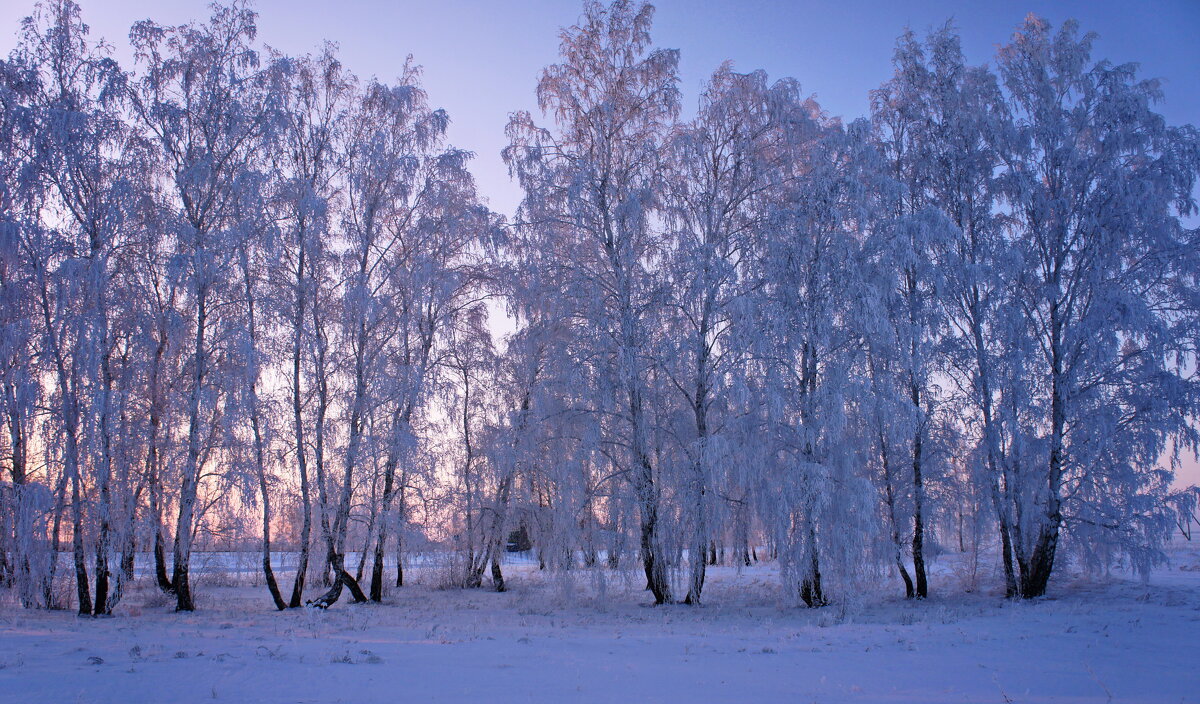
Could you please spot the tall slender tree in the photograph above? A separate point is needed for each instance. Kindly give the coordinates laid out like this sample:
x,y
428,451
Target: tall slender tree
x,y
593,181
1097,183
207,102
722,167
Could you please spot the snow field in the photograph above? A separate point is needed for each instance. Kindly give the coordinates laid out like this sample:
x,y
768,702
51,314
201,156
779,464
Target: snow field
x,y
575,638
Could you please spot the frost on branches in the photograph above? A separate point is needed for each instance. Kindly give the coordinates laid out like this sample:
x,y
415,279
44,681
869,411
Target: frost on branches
x,y
249,302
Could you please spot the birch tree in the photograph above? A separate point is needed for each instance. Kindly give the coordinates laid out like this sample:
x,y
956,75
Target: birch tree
x,y
26,499
1097,183
308,156
593,180
204,99
91,168
814,268
722,168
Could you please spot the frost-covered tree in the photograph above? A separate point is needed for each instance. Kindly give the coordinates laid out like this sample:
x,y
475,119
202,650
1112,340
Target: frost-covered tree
x,y
1096,183
721,169
511,443
815,500
904,363
91,171
469,365
25,498
388,126
412,228
436,273
250,355
591,188
307,157
963,119
206,101
253,295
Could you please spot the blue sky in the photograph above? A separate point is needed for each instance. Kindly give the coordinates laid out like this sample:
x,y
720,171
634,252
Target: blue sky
x,y
482,57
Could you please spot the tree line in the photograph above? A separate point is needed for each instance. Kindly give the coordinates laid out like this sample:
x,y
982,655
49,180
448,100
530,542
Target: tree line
x,y
250,300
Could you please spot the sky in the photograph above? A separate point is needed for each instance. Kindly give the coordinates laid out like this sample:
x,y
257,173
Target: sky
x,y
482,58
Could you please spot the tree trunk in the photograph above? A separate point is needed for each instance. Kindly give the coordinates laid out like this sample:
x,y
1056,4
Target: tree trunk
x,y
1036,569
23,519
697,557
128,554
81,576
918,541
497,575
153,477
643,478
101,605
983,375
297,598
335,535
889,498
69,409
182,551
389,492
1035,572
55,545
399,559
366,548
810,587
268,572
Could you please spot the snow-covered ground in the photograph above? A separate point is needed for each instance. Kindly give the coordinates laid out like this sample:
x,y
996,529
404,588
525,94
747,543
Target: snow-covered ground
x,y
553,640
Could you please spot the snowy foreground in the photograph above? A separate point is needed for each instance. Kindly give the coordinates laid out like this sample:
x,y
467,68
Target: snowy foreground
x,y
549,640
